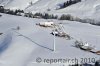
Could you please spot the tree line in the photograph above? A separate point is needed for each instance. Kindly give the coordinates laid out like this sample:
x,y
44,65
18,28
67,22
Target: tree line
x,y
19,12
68,3
69,17
9,11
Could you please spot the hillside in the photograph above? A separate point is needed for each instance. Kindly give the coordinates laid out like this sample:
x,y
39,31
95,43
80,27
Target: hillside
x,y
83,9
24,42
16,4
22,47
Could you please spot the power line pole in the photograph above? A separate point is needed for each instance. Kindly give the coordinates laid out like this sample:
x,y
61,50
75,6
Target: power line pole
x,y
54,44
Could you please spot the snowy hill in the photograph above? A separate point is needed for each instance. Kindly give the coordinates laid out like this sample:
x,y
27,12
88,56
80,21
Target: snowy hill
x,y
16,4
83,9
22,47
22,42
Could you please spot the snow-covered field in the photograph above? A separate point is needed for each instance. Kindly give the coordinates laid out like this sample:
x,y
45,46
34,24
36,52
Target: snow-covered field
x,y
22,47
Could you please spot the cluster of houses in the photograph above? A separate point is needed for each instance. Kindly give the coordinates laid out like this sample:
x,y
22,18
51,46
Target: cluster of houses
x,y
85,46
57,29
59,32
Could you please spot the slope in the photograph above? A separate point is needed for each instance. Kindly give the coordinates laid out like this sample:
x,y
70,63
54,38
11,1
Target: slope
x,y
23,52
16,4
84,9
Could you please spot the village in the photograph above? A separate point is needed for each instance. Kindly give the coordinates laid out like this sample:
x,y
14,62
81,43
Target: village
x,y
58,31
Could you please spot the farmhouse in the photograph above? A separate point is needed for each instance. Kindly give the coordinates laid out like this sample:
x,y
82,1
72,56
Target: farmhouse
x,y
46,24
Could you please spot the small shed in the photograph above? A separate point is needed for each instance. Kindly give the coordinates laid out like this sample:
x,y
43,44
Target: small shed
x,y
46,24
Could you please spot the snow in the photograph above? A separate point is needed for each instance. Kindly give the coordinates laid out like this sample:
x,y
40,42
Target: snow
x,y
22,47
16,4
84,9
43,5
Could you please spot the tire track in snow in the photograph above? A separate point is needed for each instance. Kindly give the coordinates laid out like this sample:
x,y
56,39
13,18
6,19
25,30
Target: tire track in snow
x,y
33,41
